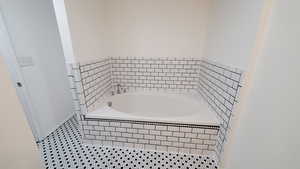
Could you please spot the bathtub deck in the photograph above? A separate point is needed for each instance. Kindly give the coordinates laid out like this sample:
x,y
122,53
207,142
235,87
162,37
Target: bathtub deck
x,y
203,116
63,150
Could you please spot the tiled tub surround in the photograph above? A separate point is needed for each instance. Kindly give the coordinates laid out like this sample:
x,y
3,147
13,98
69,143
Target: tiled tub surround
x,y
63,149
96,81
155,107
216,83
168,137
155,73
219,86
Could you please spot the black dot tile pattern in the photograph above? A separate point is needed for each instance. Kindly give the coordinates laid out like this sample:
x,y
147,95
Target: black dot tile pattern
x,y
63,150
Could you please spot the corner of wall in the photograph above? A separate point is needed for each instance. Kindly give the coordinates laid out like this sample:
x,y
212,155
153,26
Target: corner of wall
x,y
247,81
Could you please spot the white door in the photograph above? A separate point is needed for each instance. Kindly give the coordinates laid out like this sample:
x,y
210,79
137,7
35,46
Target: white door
x,y
16,76
32,49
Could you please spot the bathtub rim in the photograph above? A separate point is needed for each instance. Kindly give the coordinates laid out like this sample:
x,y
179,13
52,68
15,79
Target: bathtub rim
x,y
102,106
164,123
139,120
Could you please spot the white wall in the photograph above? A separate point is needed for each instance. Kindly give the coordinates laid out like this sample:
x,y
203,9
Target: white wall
x,y
86,27
64,30
268,134
172,28
33,31
232,29
17,147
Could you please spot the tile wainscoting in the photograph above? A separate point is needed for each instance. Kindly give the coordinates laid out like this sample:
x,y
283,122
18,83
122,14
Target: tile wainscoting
x,y
217,84
168,137
64,149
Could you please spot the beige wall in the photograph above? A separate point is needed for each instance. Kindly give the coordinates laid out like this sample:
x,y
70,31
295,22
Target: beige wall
x,y
86,27
267,135
233,25
17,147
172,28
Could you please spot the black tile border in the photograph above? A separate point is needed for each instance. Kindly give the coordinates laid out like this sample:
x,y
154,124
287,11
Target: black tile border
x,y
214,127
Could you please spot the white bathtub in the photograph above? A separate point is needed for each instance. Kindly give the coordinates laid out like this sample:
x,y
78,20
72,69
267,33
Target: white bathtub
x,y
155,107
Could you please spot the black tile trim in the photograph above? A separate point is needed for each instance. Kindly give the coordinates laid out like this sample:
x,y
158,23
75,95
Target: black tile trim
x,y
214,127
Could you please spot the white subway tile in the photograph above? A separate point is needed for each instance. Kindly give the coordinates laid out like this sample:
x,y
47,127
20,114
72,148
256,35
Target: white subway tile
x,y
161,148
169,138
150,147
189,145
90,136
122,139
99,127
173,149
203,136
211,131
138,126
129,145
210,142
109,128
97,142
185,129
139,146
161,127
166,143
110,138
184,140
196,151
93,123
149,136
103,123
137,135
105,133
87,141
172,128
100,137
118,144
115,124
132,140
93,132
191,135
213,137
197,130
88,127
211,147
157,142
177,144
126,135
184,150
178,134
161,138
115,134
141,131
166,133
150,127
197,141
131,130
143,141
155,132
202,146
121,129
207,152
127,125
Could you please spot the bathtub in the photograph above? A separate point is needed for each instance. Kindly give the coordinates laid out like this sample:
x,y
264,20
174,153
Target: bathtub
x,y
154,121
155,107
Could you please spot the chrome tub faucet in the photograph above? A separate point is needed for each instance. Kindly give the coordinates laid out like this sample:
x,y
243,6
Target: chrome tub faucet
x,y
118,89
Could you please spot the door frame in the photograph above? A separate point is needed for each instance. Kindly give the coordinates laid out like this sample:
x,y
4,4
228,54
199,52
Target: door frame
x,y
10,59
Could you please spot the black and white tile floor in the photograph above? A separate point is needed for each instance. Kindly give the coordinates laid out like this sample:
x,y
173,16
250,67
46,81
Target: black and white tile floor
x,y
63,150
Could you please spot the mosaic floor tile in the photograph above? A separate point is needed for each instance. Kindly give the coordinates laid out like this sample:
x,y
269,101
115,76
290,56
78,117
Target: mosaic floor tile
x,y
63,150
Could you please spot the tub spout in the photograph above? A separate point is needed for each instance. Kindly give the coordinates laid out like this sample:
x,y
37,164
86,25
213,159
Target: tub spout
x,y
118,89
